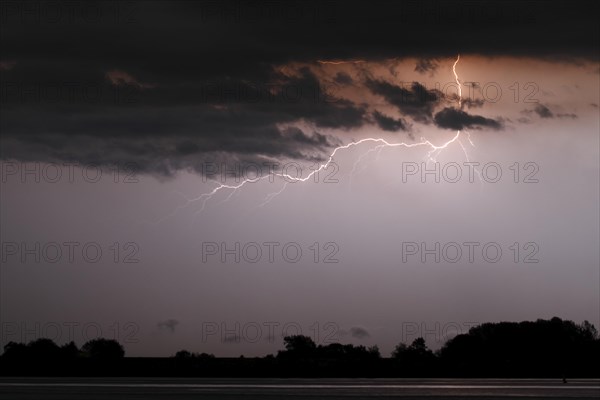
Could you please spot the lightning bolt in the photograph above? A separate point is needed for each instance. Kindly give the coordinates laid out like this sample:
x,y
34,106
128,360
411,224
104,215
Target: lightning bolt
x,y
460,107
341,62
460,103
457,81
433,151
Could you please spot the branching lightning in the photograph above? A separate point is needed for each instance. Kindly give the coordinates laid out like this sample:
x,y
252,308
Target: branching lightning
x,y
433,151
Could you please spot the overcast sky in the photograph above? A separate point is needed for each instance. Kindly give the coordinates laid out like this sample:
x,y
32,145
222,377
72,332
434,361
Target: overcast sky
x,y
143,147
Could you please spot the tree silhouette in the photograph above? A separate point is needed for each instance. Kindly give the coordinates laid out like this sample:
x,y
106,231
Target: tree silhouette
x,y
44,349
183,355
69,350
15,351
417,356
399,350
303,347
104,349
544,347
298,346
186,355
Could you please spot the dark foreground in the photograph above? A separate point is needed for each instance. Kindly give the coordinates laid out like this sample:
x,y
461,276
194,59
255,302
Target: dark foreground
x,y
298,389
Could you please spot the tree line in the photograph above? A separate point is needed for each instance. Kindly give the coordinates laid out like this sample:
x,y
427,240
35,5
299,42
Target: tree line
x,y
542,348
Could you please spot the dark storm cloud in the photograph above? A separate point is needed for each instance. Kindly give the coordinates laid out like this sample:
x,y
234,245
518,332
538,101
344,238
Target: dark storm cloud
x,y
388,123
244,34
425,65
567,115
164,155
355,332
7,65
473,103
163,128
343,78
411,99
543,111
359,333
451,118
315,140
167,83
169,324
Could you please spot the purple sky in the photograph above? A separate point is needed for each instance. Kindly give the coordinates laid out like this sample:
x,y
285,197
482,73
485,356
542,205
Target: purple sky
x,y
123,145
